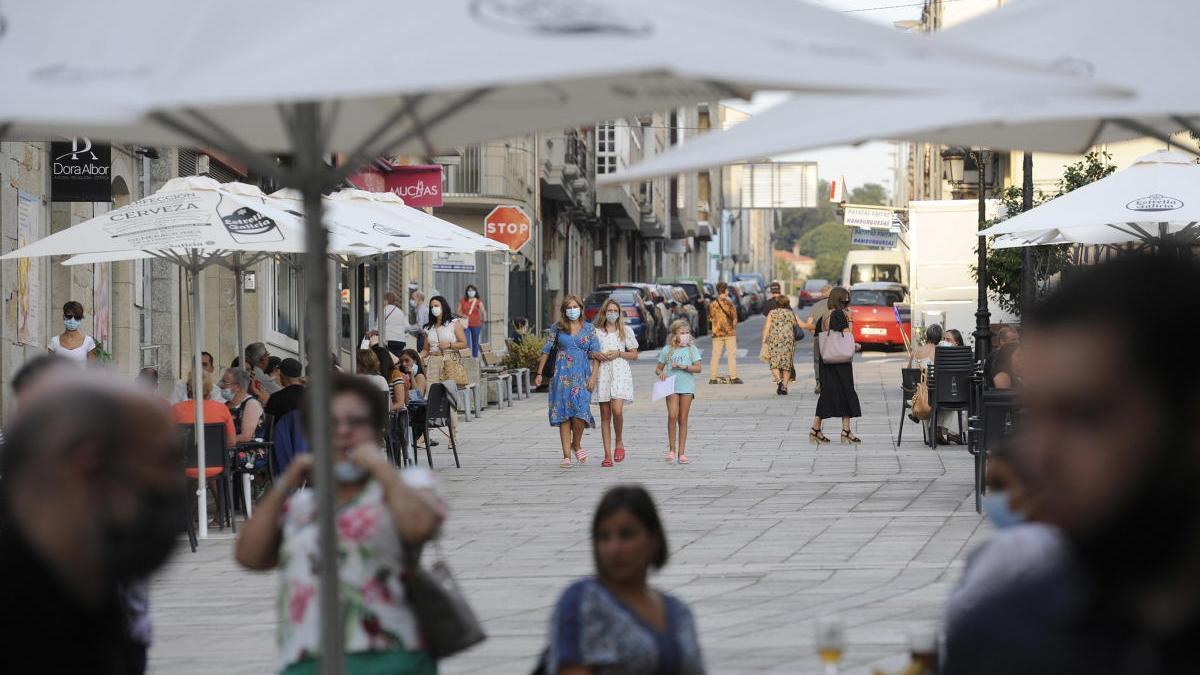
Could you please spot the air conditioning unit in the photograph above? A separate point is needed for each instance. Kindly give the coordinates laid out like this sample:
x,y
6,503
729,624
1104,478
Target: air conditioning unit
x,y
203,165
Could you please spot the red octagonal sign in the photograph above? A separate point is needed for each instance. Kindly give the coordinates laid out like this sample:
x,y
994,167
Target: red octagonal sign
x,y
508,224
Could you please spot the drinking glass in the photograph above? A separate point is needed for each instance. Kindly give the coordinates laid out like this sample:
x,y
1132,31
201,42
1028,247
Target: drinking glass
x,y
922,647
831,640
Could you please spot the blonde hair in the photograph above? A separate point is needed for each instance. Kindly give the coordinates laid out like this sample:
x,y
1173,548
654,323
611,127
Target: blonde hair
x,y
601,321
562,312
205,381
673,338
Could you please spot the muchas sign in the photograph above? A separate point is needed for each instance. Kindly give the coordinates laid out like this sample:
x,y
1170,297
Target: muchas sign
x,y
80,171
419,185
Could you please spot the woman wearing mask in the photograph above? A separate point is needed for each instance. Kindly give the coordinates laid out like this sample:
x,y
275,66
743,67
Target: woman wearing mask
x,y
443,332
574,377
389,369
380,511
471,308
412,371
246,411
614,386
615,622
956,338
73,343
838,398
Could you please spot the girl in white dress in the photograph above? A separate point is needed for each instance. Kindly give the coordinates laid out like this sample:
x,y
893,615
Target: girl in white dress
x,y
618,346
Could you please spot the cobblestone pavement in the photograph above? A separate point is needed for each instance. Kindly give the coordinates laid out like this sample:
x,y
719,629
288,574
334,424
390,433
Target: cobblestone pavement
x,y
767,532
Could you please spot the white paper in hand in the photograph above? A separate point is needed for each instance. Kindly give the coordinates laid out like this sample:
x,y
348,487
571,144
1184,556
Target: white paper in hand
x,y
663,388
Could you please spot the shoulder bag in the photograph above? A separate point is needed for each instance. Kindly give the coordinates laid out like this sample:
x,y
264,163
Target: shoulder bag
x,y
448,624
453,369
836,346
920,398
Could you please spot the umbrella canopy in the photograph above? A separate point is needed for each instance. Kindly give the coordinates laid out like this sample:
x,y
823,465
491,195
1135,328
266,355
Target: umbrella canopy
x,y
1156,199
1085,35
515,66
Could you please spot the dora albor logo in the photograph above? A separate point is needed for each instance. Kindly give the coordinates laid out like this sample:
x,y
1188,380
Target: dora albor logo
x,y
80,160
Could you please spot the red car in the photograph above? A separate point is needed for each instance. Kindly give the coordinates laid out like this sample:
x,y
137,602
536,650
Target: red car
x,y
812,293
879,314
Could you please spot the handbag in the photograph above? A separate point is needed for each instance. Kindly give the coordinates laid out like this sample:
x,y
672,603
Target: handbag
x,y
448,624
836,346
453,369
920,398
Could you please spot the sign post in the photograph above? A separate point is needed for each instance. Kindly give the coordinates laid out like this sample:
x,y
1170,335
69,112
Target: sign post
x,y
509,225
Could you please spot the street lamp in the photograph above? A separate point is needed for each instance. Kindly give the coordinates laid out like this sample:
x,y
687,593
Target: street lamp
x,y
955,161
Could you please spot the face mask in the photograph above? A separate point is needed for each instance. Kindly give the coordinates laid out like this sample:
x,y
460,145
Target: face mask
x,y
685,339
612,317
436,310
227,394
996,508
470,294
573,313
945,343
134,549
346,471
71,324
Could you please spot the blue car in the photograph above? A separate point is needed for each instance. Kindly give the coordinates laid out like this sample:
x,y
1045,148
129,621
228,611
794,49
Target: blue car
x,y
632,305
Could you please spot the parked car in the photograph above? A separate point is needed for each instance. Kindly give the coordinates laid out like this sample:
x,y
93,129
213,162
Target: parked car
x,y
682,308
813,292
632,304
754,294
880,314
660,316
735,295
695,292
759,281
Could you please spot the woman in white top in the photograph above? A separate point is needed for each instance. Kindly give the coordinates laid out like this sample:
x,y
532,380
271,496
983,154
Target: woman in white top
x,y
618,346
395,324
73,343
443,332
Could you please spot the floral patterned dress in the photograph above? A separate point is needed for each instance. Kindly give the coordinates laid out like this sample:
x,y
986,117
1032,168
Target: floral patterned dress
x,y
569,395
370,567
615,379
781,340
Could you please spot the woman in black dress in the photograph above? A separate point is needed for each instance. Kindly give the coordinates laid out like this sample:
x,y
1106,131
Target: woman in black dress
x,y
838,398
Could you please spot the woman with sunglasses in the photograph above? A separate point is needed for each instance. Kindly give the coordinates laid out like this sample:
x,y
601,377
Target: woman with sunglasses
x,y
73,344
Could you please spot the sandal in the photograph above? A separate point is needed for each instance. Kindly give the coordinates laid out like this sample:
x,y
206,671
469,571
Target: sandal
x,y
848,437
607,463
816,436
565,463
670,457
683,459
619,455
581,455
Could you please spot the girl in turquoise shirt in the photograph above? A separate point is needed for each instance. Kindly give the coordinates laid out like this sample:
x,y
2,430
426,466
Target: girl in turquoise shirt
x,y
681,359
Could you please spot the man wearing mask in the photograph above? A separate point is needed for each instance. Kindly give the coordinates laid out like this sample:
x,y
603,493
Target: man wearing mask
x,y
1110,429
180,393
93,501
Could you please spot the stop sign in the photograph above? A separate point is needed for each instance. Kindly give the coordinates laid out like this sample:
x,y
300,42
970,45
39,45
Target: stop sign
x,y
508,224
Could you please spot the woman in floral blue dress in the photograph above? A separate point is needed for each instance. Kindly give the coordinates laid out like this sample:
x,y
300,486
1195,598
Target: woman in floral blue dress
x,y
574,377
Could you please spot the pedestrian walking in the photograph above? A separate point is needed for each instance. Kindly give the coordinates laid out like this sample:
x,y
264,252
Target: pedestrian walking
x,y
723,319
779,342
443,332
73,344
614,385
380,513
679,359
838,398
819,308
93,504
615,622
574,377
394,324
472,310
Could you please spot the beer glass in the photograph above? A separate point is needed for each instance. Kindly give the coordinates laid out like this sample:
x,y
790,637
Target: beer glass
x,y
831,640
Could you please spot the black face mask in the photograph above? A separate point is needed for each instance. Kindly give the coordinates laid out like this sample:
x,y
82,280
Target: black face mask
x,y
136,548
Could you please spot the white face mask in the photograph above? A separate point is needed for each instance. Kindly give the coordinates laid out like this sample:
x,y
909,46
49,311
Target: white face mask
x,y
612,316
436,310
345,471
470,294
572,313
685,339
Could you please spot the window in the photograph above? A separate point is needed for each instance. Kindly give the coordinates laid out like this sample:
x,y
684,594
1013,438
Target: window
x,y
282,304
606,148
874,272
874,298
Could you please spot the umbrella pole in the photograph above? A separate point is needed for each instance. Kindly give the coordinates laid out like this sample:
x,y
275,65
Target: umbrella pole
x,y
302,317
355,310
198,394
311,177
237,294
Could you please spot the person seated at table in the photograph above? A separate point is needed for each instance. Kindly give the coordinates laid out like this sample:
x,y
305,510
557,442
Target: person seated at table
x,y
289,398
368,367
184,412
1006,367
413,373
245,409
389,369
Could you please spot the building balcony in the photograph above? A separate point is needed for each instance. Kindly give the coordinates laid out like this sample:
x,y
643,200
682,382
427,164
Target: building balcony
x,y
565,170
486,176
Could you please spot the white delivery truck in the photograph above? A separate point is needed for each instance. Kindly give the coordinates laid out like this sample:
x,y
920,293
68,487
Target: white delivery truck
x,y
862,267
942,239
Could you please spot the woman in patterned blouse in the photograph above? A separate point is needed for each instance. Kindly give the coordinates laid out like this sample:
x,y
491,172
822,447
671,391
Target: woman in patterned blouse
x,y
615,622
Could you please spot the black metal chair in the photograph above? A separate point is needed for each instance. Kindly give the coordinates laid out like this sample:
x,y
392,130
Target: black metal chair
x,y
439,414
994,423
397,438
185,440
909,379
950,385
216,467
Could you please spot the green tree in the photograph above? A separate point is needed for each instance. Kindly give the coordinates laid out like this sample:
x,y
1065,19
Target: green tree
x,y
1006,266
828,244
794,223
871,194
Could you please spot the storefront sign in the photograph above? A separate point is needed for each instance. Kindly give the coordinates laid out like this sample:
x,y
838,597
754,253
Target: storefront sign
x,y
419,185
509,225
454,262
873,238
865,217
80,171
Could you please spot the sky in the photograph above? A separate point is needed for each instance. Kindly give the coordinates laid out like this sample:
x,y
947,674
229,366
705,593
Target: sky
x,y
868,163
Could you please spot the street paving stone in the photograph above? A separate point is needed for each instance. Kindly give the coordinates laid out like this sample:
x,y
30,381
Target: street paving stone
x,y
767,532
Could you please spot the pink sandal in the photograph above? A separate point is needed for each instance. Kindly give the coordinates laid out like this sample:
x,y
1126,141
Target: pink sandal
x,y
607,463
619,455
565,463
670,457
683,459
581,455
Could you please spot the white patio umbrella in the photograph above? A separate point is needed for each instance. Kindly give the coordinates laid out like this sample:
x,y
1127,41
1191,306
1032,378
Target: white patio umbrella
x,y
1156,201
514,67
192,222
1097,36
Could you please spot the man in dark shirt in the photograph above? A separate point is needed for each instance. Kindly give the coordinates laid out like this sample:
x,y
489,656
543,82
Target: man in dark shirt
x,y
289,398
1110,428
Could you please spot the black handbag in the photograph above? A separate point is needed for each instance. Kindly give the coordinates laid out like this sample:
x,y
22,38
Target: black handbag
x,y
447,622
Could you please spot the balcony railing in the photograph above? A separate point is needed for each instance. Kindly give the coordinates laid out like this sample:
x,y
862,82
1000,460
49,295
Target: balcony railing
x,y
495,170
